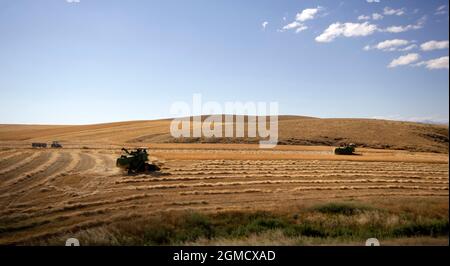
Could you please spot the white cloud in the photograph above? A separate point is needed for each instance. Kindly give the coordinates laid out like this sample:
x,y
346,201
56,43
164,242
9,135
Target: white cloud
x,y
264,24
404,60
434,45
376,16
347,30
407,48
392,45
293,25
398,29
441,10
362,17
301,28
372,1
304,15
438,63
307,14
73,1
390,11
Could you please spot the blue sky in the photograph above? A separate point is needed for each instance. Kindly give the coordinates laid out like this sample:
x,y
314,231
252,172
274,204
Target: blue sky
x,y
90,61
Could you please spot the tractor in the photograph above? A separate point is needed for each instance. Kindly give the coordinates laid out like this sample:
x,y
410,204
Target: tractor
x,y
56,144
136,162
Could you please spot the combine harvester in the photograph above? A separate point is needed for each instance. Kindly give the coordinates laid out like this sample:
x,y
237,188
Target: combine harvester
x,y
345,149
136,162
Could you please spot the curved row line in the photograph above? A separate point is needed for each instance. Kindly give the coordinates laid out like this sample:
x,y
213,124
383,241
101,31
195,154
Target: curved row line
x,y
8,155
20,163
31,173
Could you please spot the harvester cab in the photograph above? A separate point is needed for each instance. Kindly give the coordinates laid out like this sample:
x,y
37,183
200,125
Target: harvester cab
x,y
136,161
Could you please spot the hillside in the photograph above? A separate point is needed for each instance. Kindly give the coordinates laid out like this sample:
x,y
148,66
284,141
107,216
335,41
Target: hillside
x,y
293,130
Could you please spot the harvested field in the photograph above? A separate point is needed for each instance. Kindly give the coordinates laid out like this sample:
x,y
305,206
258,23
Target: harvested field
x,y
48,194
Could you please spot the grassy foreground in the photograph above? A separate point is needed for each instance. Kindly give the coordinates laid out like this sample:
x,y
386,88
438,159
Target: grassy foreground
x,y
325,224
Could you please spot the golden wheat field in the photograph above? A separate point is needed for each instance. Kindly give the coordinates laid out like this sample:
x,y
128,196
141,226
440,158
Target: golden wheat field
x,y
48,192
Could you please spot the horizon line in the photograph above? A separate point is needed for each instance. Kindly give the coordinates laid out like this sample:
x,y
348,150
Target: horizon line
x,y
381,118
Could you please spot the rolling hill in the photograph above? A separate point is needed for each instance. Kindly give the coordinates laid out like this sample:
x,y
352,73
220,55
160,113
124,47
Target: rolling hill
x,y
293,130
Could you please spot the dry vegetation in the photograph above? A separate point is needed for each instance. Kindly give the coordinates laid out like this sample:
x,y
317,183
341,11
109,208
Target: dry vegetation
x,y
225,193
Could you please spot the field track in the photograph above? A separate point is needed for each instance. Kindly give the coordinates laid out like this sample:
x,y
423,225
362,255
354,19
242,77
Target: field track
x,y
45,192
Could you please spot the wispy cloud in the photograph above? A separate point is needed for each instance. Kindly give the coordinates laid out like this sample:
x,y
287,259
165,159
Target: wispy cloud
x,y
392,45
441,10
397,29
295,25
346,30
73,1
367,26
404,60
264,24
407,48
390,11
438,63
374,16
434,45
300,18
363,17
307,14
